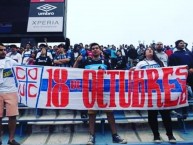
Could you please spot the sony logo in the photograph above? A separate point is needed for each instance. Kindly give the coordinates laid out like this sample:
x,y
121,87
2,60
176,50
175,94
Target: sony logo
x,y
46,22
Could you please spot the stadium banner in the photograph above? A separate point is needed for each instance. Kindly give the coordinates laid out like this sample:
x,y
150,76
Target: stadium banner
x,y
45,16
84,89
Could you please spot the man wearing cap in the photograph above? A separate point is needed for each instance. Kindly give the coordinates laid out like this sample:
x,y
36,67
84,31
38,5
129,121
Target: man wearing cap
x,y
14,54
64,56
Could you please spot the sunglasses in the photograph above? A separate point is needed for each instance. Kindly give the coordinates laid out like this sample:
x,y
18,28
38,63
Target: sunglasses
x,y
2,49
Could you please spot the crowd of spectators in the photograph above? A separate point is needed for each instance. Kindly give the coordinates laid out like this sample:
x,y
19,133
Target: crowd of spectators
x,y
124,57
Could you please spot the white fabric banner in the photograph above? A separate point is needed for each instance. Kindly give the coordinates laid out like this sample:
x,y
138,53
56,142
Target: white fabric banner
x,y
83,89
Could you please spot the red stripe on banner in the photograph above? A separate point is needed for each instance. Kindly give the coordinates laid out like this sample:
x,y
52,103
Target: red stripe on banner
x,y
39,1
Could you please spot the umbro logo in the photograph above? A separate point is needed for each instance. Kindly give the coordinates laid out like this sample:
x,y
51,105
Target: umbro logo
x,y
46,8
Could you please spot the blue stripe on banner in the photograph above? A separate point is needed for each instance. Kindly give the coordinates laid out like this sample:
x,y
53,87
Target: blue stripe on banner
x,y
39,88
44,86
177,86
26,96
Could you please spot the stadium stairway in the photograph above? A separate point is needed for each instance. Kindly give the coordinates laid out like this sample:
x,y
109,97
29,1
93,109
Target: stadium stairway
x,y
57,127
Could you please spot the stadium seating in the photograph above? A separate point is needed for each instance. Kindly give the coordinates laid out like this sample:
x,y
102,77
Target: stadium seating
x,y
32,123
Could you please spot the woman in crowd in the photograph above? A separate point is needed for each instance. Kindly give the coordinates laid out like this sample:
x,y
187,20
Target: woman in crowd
x,y
152,61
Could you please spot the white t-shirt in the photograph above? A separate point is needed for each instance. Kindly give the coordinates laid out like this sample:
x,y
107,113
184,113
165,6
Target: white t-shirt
x,y
7,80
145,64
17,57
25,56
163,57
48,54
1,76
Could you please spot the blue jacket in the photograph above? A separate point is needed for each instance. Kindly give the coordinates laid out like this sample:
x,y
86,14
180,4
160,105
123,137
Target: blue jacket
x,y
182,57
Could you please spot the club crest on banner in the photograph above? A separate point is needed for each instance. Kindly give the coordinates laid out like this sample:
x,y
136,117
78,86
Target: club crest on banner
x,y
28,83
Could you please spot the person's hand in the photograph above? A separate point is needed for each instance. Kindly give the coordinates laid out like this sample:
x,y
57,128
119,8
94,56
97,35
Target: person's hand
x,y
191,70
132,69
45,40
77,61
79,58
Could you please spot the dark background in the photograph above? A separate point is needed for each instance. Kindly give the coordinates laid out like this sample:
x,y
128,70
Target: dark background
x,y
13,23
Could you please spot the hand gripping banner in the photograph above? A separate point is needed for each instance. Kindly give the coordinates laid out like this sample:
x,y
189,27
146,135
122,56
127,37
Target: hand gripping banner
x,y
83,89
